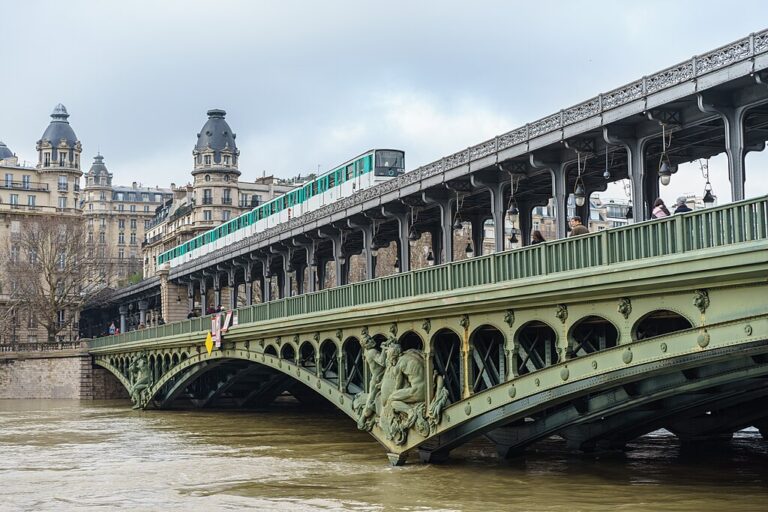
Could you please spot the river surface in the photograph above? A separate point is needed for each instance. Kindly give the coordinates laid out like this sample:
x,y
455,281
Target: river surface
x,y
69,455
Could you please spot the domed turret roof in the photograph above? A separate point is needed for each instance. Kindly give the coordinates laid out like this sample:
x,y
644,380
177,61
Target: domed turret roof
x,y
216,135
98,168
4,151
59,128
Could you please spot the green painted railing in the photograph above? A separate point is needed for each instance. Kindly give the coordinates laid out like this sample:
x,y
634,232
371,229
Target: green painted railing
x,y
735,223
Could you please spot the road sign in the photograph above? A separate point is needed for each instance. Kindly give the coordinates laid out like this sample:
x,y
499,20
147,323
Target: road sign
x,y
209,343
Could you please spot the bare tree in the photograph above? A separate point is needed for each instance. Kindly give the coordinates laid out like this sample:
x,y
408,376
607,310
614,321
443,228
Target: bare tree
x,y
51,272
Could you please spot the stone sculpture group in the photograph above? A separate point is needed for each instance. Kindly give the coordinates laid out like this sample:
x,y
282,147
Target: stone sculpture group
x,y
397,391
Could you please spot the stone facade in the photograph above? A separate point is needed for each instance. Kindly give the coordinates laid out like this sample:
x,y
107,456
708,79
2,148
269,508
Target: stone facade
x,y
117,217
62,374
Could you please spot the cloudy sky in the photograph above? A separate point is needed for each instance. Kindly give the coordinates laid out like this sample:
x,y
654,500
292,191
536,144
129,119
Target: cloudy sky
x,y
308,84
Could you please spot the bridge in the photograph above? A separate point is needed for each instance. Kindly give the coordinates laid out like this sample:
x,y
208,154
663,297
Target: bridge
x,y
598,338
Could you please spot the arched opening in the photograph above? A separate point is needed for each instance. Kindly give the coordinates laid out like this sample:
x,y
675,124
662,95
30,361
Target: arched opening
x,y
307,358
535,347
446,354
175,359
287,352
659,323
166,363
487,358
329,361
411,340
270,351
353,366
591,334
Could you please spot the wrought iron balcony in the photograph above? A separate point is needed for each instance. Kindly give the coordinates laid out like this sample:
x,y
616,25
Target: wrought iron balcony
x,y
226,200
63,187
24,185
207,200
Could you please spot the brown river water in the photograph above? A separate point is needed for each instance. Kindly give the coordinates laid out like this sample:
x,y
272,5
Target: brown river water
x,y
69,455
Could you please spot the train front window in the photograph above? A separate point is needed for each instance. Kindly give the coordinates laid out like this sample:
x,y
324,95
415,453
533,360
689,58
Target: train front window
x,y
389,159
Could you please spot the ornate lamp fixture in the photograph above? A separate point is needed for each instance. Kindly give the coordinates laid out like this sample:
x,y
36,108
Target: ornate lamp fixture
x,y
413,235
607,171
628,192
666,169
396,266
430,258
470,252
513,238
342,258
709,198
374,247
457,224
514,183
579,193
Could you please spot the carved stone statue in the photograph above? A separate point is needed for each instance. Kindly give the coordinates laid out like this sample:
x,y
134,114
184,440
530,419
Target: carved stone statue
x,y
396,398
141,378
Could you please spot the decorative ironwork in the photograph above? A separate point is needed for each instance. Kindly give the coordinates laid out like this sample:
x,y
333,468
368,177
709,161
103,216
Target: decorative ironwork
x,y
625,307
514,137
724,56
623,95
509,317
701,300
562,312
543,126
669,77
761,42
581,111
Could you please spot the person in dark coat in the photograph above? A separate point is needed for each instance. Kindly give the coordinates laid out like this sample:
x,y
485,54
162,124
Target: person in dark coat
x,y
681,206
537,237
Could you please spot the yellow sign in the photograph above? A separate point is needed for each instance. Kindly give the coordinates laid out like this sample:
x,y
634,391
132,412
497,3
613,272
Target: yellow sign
x,y
209,343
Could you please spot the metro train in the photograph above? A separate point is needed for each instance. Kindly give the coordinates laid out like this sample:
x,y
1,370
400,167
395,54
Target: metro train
x,y
364,171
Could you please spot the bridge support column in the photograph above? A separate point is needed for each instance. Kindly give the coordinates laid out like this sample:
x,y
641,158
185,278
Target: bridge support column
x,y
300,279
248,277
203,297
437,245
190,299
560,195
524,222
493,184
172,307
635,169
143,305
403,225
397,459
478,234
445,203
216,291
733,122
123,310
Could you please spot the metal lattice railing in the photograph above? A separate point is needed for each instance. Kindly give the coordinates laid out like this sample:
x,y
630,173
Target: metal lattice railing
x,y
736,223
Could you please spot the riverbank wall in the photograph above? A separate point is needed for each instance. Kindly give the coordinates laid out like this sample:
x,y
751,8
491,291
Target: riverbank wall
x,y
62,373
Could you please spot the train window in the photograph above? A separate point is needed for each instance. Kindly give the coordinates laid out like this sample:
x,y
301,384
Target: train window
x,y
389,159
331,181
350,171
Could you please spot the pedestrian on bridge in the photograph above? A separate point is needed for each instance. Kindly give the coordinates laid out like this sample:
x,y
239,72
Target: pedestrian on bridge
x,y
681,206
577,228
659,209
537,237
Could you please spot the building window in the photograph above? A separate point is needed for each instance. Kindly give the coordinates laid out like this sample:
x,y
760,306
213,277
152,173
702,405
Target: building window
x,y
9,181
25,181
103,222
207,160
158,198
121,254
133,208
30,200
133,223
15,253
133,238
119,196
103,196
207,215
62,202
120,207
146,224
102,238
226,162
90,222
90,237
146,209
90,206
121,223
14,198
225,215
121,238
62,159
207,177
63,183
46,159
226,196
207,196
